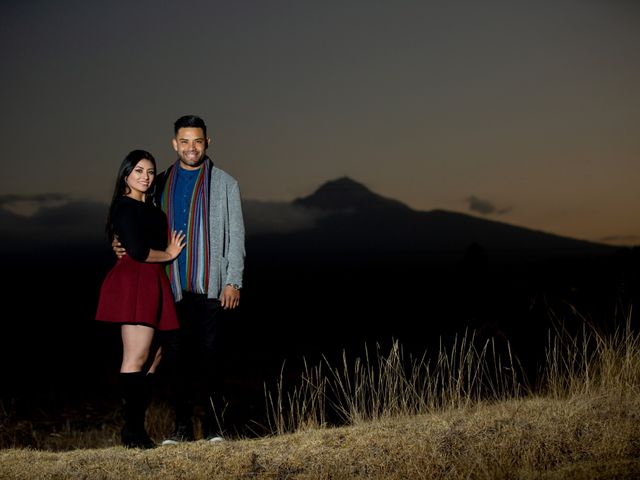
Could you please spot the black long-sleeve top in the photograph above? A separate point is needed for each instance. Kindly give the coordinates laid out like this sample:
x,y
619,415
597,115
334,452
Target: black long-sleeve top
x,y
139,227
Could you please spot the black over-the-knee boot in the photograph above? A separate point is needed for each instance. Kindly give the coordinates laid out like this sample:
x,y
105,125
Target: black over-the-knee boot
x,y
135,395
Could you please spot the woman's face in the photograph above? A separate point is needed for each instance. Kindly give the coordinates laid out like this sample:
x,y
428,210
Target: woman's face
x,y
140,178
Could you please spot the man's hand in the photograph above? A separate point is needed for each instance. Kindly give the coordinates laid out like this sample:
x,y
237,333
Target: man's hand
x,y
230,297
118,249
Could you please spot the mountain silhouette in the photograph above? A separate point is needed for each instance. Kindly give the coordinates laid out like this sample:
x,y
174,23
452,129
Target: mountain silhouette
x,y
345,194
356,220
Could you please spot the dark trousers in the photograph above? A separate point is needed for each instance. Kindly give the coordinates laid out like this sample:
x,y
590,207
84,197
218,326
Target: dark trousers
x,y
193,359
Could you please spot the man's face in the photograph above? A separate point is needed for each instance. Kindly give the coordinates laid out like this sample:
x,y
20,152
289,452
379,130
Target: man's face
x,y
191,146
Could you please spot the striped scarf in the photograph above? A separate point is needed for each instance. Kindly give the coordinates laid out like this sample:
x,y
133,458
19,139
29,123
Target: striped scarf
x,y
197,234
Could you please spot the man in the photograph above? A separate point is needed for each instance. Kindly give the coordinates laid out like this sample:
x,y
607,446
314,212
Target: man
x,y
204,202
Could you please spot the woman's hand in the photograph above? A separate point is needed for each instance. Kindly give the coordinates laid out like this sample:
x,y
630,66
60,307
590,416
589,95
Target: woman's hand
x,y
176,244
118,249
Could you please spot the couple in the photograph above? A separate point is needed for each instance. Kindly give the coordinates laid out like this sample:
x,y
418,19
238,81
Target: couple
x,y
179,235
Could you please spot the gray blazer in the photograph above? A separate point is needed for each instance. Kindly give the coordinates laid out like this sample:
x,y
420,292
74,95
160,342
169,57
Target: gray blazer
x,y
226,231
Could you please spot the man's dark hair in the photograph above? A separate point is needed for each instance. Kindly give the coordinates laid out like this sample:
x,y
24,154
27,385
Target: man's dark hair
x,y
190,121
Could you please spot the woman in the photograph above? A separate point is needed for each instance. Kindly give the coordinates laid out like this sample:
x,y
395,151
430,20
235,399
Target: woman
x,y
136,292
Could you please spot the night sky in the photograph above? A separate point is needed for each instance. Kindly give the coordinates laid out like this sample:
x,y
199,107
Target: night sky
x,y
527,112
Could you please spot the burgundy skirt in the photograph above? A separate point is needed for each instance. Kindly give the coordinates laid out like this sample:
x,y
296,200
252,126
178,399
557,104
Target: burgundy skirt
x,y
137,292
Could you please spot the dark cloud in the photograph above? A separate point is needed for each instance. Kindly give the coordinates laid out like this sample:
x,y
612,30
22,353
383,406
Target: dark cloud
x,y
277,217
621,239
71,222
485,207
41,198
28,204
79,216
82,221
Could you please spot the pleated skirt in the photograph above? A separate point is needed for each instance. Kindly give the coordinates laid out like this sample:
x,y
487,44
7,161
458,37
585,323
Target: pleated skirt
x,y
137,293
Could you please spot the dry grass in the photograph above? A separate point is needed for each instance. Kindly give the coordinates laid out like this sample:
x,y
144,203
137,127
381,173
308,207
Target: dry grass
x,y
595,437
389,385
466,416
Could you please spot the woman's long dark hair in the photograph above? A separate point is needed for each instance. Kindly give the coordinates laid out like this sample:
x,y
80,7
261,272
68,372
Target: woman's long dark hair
x,y
121,188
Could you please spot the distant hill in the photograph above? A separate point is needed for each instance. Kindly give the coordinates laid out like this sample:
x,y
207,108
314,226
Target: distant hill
x,y
341,217
356,220
73,231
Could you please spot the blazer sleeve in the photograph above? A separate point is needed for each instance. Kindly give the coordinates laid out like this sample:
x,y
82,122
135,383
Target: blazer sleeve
x,y
236,250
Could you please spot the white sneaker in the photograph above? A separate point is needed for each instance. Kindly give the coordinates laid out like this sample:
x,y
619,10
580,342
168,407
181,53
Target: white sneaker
x,y
183,433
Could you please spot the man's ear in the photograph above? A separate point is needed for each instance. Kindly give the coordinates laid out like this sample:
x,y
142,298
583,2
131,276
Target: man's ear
x,y
174,144
208,141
